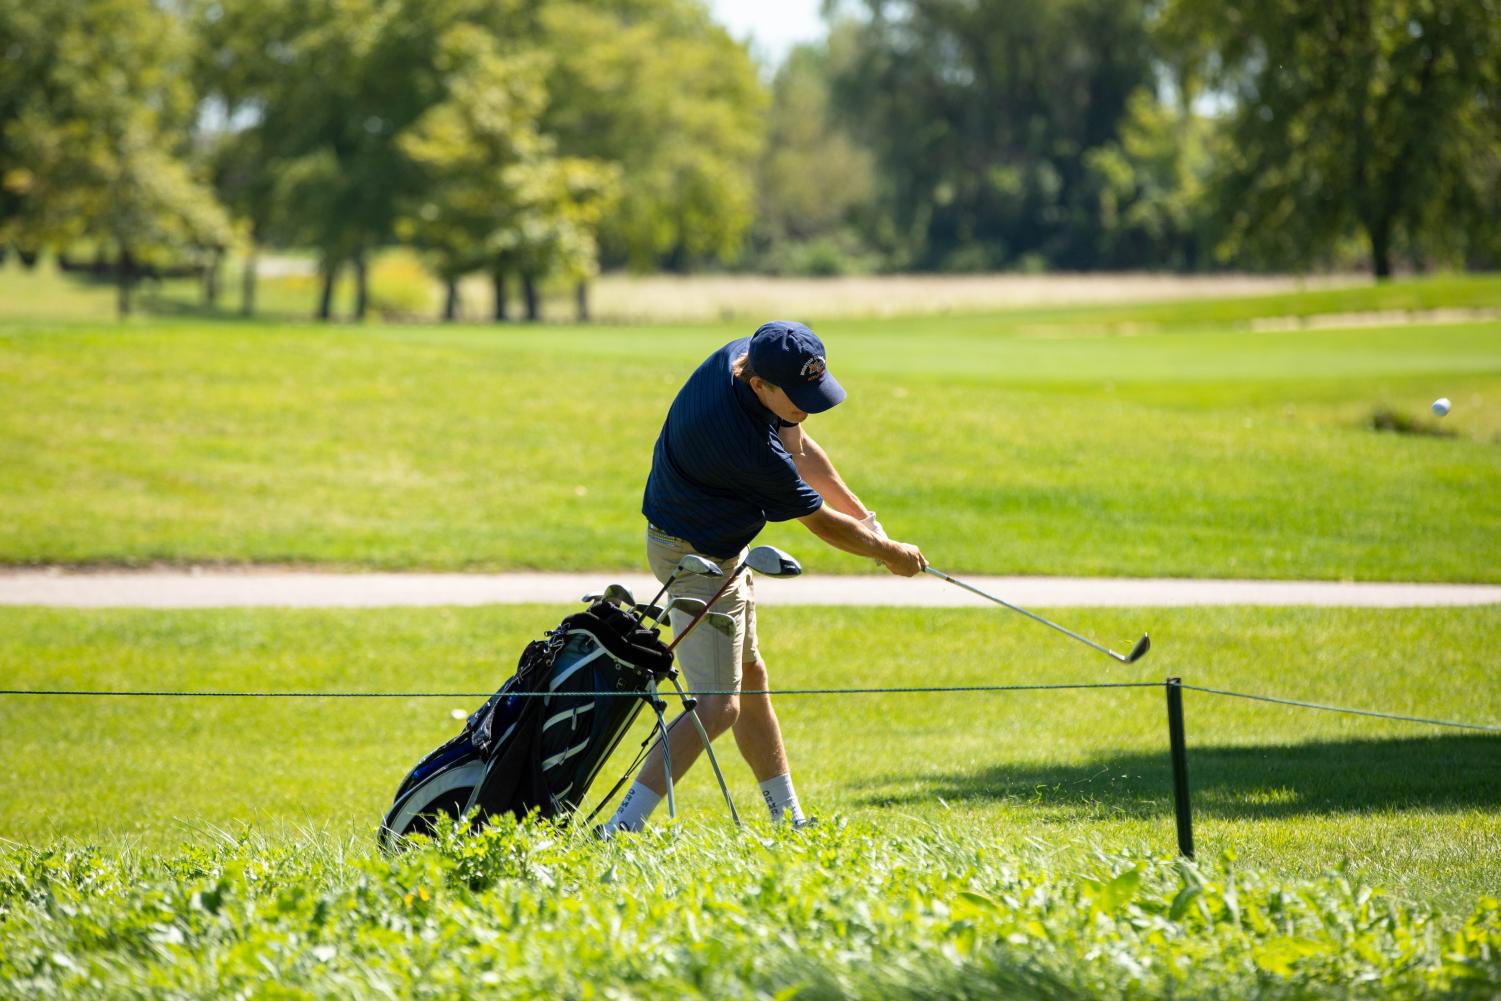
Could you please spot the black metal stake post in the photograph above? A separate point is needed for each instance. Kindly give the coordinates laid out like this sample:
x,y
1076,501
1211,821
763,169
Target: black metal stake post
x,y
1181,806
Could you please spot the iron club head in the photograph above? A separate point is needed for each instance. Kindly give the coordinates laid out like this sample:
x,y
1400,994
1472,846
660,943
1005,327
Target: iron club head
x,y
772,562
688,606
620,595
722,622
1138,651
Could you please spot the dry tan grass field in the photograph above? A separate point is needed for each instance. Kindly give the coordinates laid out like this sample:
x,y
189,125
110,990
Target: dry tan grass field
x,y
627,298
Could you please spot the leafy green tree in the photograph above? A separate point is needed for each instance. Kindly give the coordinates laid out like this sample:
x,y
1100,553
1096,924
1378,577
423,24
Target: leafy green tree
x,y
1376,116
816,186
29,35
331,87
981,116
95,133
659,89
495,194
560,206
241,55
1149,187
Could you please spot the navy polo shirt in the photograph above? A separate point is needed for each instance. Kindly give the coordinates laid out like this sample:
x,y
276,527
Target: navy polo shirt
x,y
719,471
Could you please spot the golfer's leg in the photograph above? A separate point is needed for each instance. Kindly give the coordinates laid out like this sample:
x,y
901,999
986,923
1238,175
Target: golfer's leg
x,y
716,712
757,732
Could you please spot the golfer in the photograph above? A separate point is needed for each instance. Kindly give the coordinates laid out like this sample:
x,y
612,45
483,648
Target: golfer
x,y
733,454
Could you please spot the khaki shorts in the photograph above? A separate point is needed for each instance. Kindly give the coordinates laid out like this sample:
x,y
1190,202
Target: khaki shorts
x,y
708,659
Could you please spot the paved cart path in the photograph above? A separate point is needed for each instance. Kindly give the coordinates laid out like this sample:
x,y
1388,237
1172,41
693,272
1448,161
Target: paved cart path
x,y
219,588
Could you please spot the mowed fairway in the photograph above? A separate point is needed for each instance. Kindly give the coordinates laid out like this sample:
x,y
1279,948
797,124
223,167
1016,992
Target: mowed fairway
x,y
1133,441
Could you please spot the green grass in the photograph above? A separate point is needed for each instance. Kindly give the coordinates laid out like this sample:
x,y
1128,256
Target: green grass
x,y
833,913
1200,450
46,295
1006,844
996,845
1415,809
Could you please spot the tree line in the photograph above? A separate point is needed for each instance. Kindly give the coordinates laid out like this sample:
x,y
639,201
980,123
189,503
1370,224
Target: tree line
x,y
540,140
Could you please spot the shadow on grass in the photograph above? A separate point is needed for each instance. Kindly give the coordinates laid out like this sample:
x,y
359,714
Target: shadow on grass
x,y
1349,776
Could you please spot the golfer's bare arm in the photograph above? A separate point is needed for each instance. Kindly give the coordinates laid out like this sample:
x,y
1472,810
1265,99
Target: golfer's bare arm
x,y
818,472
840,522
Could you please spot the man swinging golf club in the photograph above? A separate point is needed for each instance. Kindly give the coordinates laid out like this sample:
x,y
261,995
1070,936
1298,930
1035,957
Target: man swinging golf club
x,y
733,455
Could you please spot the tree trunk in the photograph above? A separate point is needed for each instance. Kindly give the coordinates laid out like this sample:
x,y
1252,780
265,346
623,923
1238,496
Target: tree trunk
x,y
211,278
124,276
326,300
533,301
502,305
247,283
361,287
451,301
1381,249
581,300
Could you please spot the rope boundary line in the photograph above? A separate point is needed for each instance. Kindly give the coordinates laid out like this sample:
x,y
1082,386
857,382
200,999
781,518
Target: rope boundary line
x,y
1483,727
629,695
913,690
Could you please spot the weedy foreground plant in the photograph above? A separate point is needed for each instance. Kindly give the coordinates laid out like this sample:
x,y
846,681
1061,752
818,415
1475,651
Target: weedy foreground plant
x,y
841,910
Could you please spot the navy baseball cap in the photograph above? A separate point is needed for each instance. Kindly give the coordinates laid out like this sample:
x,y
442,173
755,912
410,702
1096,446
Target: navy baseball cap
x,y
790,356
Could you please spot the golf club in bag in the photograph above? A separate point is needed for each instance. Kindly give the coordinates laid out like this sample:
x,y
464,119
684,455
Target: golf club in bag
x,y
768,560
536,745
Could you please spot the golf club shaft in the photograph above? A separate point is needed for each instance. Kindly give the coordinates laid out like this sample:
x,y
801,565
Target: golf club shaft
x,y
656,703
1031,615
704,736
671,577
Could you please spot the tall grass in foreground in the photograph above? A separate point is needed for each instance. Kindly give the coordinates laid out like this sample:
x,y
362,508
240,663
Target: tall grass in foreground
x,y
531,911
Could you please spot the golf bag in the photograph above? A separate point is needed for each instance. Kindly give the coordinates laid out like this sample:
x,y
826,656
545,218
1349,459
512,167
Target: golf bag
x,y
537,744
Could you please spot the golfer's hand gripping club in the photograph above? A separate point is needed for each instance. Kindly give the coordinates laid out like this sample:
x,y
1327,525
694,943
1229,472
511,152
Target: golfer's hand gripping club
x,y
1137,652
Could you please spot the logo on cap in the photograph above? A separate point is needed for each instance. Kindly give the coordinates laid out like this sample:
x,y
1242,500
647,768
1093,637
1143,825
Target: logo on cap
x,y
814,368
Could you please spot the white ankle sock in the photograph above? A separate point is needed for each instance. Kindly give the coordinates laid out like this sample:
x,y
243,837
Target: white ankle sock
x,y
781,800
631,815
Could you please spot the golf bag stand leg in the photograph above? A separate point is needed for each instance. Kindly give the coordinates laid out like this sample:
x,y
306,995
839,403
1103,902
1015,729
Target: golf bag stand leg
x,y
689,707
659,706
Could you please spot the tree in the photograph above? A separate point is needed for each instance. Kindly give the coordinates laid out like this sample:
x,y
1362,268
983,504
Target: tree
x,y
495,195
1149,188
1376,116
240,56
816,186
28,38
659,89
981,116
331,87
95,137
559,207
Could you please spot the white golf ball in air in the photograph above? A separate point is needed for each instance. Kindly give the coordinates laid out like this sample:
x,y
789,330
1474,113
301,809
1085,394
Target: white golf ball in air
x,y
1441,405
